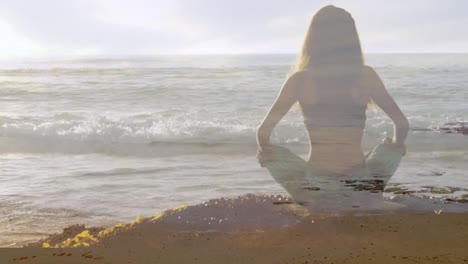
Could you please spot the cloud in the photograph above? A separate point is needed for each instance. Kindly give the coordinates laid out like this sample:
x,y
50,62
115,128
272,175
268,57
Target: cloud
x,y
15,44
113,27
164,17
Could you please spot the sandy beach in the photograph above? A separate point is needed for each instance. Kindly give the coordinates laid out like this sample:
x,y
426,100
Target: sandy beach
x,y
259,229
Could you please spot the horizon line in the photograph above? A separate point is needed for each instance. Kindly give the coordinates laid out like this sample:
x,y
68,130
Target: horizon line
x,y
75,56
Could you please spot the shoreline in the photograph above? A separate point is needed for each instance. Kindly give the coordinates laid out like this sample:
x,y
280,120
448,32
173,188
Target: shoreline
x,y
259,229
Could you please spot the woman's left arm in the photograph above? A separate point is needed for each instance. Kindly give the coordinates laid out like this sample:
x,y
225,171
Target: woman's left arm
x,y
286,98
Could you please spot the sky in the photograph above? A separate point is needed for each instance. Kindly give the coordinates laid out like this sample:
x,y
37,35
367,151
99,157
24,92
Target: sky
x,y
54,28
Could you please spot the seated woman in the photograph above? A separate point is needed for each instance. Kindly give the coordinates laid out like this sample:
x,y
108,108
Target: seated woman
x,y
333,88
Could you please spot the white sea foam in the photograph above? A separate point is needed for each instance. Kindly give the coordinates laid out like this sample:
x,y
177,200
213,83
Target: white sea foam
x,y
74,134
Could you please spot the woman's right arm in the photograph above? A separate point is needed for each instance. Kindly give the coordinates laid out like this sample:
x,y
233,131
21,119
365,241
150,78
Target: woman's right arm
x,y
385,101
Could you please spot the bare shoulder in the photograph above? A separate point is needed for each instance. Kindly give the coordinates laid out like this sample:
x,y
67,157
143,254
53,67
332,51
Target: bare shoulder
x,y
298,78
370,77
369,72
295,82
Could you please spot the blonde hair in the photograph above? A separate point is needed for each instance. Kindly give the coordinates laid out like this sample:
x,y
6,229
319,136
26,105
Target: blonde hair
x,y
331,45
331,41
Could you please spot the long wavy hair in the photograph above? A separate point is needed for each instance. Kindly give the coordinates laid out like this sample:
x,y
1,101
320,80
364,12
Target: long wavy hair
x,y
331,45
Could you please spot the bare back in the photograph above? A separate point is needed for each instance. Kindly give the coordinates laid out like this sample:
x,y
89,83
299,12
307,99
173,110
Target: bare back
x,y
334,110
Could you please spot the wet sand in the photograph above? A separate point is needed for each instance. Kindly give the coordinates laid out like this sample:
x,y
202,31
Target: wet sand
x,y
253,229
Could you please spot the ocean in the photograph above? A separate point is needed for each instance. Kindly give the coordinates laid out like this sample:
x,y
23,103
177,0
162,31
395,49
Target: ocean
x,y
98,141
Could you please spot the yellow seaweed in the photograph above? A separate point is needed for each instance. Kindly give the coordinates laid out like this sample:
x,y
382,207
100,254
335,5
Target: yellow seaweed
x,y
111,230
138,220
179,208
46,245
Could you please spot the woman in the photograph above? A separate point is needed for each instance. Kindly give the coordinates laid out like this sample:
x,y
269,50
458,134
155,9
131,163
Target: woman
x,y
333,88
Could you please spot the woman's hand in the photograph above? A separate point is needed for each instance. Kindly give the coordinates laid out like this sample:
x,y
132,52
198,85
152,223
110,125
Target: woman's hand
x,y
264,154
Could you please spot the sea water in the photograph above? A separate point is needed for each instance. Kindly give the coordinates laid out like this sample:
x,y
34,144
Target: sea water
x,y
98,141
